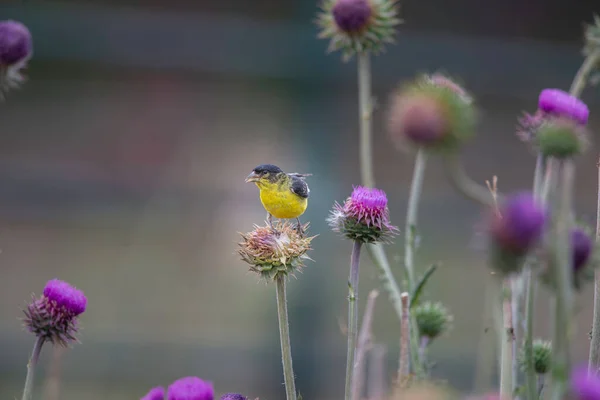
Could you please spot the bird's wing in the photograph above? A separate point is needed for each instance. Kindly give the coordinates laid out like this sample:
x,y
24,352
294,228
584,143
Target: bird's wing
x,y
297,175
299,187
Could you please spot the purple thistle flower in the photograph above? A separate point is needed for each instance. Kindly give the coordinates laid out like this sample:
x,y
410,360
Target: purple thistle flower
x,y
351,15
233,396
53,317
420,119
582,246
520,225
561,104
364,216
191,388
15,43
157,393
584,387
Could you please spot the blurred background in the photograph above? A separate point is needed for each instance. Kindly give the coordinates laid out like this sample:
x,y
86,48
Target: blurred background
x,y
122,166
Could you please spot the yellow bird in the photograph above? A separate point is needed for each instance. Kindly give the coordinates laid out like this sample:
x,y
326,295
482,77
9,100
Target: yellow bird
x,y
283,195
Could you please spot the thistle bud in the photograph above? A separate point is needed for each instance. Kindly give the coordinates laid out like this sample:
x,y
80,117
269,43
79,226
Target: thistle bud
x,y
157,393
191,388
515,231
275,252
433,319
16,49
560,138
542,357
433,112
53,316
233,396
363,217
358,26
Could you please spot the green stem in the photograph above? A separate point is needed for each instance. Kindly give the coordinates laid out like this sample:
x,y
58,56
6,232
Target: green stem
x,y
581,79
365,112
562,277
465,185
594,362
386,276
31,365
284,335
411,216
506,352
352,315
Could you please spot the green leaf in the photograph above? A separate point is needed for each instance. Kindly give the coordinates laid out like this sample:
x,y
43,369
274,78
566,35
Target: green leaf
x,y
416,294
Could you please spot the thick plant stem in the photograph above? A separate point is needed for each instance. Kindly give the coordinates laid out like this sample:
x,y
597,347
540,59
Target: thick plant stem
x,y
284,335
31,366
386,276
581,79
562,277
364,342
405,338
594,362
411,216
376,382
365,109
352,315
506,355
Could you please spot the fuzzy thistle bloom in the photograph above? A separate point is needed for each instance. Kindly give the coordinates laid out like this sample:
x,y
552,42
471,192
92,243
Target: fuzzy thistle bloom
x,y
433,319
559,103
363,217
584,386
16,49
357,26
233,396
515,231
433,112
274,252
53,317
191,388
157,393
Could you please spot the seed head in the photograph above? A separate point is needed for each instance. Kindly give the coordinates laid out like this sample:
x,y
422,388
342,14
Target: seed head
x,y
358,26
275,251
584,386
560,138
191,388
364,216
433,319
157,393
542,357
559,103
53,316
433,112
16,49
515,231
233,396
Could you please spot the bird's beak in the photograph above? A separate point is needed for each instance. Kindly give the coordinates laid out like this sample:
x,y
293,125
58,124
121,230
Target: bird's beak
x,y
253,177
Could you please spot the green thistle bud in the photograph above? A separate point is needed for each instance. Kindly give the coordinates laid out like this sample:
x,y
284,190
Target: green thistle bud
x,y
358,26
431,112
561,138
542,357
275,251
433,319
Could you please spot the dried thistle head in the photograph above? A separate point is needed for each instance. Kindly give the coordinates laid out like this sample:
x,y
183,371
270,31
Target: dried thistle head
x,y
53,316
358,26
275,251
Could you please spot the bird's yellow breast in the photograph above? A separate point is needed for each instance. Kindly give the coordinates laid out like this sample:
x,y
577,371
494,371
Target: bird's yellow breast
x,y
280,201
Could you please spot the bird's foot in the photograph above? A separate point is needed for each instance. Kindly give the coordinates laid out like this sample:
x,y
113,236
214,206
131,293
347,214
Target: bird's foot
x,y
299,228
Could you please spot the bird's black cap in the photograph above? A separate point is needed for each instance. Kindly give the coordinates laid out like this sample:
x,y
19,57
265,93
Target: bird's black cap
x,y
261,169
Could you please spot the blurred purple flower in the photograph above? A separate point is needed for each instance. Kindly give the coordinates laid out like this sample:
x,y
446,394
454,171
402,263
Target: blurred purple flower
x,y
233,396
561,104
519,226
351,15
15,43
584,387
420,119
582,246
157,393
53,317
191,388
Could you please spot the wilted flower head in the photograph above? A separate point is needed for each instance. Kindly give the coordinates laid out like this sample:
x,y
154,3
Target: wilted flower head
x,y
357,26
584,386
542,357
157,393
433,319
16,49
514,232
433,112
364,216
191,388
275,251
233,396
53,317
